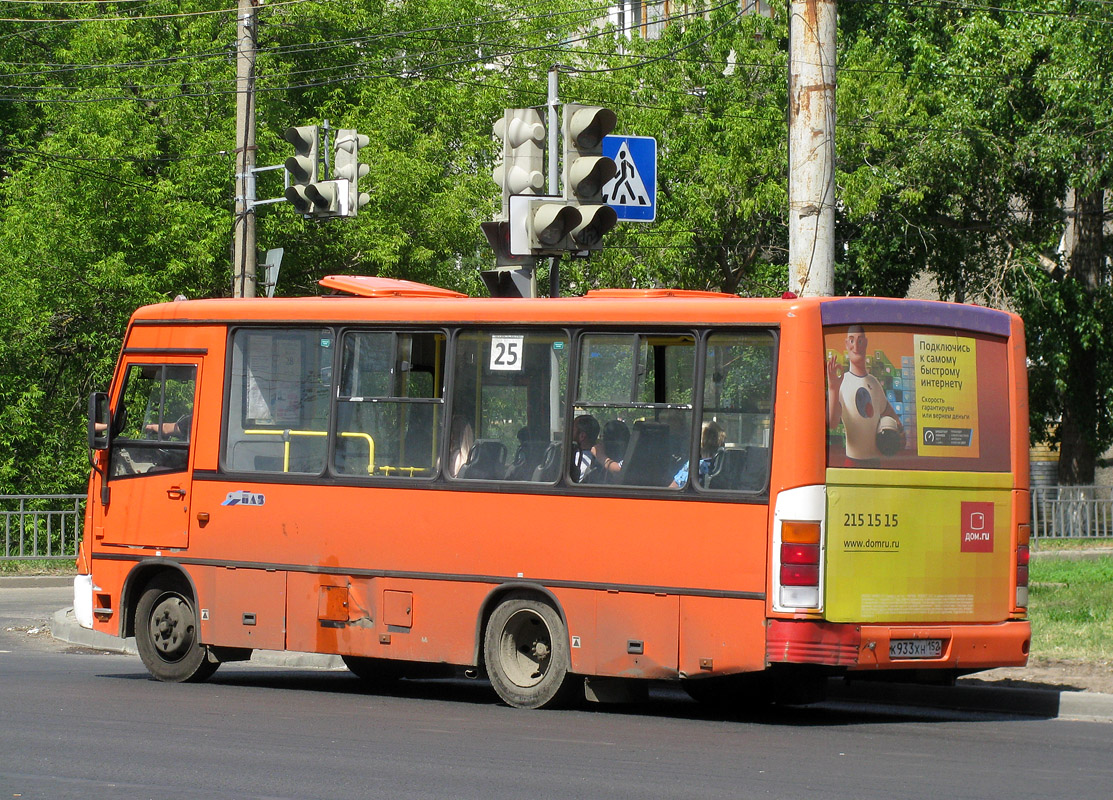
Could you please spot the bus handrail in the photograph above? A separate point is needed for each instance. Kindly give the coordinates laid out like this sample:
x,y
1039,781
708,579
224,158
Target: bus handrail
x,y
286,433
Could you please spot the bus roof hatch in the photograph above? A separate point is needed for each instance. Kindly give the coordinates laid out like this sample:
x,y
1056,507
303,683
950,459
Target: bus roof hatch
x,y
366,286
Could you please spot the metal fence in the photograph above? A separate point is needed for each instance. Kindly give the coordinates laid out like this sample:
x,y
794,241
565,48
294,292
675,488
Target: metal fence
x,y
41,526
49,526
1072,512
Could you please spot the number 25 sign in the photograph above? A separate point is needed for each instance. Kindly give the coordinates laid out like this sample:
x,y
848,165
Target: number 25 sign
x,y
506,353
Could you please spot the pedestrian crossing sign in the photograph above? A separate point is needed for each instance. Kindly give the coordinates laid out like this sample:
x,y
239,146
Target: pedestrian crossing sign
x,y
632,193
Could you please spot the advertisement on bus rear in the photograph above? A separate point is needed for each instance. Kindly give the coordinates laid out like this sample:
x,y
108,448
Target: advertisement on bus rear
x,y
919,480
916,398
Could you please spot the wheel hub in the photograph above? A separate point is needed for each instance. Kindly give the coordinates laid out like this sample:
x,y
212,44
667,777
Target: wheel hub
x,y
171,627
526,647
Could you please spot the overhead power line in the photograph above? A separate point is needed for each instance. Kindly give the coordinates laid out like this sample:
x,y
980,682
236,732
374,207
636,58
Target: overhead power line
x,y
139,17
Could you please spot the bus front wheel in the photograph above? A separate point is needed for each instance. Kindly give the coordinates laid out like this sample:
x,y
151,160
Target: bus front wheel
x,y
167,634
525,649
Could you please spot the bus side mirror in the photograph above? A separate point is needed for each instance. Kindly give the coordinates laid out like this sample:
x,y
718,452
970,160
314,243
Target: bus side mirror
x,y
100,422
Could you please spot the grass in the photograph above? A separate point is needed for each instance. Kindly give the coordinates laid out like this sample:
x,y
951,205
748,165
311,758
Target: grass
x,y
1070,606
1067,545
42,566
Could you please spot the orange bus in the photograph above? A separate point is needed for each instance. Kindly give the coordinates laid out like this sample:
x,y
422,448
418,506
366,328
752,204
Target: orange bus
x,y
737,494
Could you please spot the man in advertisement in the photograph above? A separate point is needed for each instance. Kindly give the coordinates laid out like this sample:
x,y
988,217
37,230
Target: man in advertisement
x,y
857,399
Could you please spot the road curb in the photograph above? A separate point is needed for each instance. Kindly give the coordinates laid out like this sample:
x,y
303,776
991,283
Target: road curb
x,y
64,627
1012,700
35,581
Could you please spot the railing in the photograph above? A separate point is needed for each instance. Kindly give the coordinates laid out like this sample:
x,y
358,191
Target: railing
x,y
40,526
1072,512
49,526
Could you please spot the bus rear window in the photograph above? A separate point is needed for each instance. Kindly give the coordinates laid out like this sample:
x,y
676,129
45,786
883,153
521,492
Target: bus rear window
x,y
916,398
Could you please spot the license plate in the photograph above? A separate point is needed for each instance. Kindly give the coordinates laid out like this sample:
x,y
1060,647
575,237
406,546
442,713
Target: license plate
x,y
915,648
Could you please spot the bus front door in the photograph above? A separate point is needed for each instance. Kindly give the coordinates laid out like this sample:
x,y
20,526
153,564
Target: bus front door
x,y
149,466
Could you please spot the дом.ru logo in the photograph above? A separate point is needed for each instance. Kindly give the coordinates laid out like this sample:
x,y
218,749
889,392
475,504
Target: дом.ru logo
x,y
977,527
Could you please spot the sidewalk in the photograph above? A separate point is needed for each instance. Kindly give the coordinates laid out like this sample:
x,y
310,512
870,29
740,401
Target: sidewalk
x,y
1032,702
64,627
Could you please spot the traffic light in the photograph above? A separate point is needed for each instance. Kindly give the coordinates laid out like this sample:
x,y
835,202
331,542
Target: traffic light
x,y
326,198
587,171
346,167
523,156
302,166
541,225
550,224
513,275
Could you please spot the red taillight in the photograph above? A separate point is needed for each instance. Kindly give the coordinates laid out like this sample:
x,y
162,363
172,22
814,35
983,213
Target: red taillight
x,y
1023,556
799,574
799,553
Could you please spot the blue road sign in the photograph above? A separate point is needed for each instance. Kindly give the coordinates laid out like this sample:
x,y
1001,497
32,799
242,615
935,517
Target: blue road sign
x,y
632,193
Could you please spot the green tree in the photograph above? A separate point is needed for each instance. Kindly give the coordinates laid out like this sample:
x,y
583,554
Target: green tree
x,y
1009,114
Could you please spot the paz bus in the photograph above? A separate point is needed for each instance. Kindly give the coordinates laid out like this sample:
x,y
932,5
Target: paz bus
x,y
735,494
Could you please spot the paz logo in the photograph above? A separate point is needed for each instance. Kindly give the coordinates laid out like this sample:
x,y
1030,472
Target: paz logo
x,y
243,497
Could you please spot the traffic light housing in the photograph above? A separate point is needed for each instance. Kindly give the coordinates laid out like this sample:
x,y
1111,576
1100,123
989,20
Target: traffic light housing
x,y
326,198
302,166
522,133
513,275
587,171
542,225
346,167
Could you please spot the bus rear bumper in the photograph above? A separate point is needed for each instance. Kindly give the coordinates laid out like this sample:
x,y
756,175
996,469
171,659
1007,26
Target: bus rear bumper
x,y
894,647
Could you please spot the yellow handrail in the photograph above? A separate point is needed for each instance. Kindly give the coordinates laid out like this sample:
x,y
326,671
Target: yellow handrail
x,y
370,448
287,433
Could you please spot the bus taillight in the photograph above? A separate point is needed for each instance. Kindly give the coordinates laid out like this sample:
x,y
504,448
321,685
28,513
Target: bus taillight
x,y
799,571
1023,555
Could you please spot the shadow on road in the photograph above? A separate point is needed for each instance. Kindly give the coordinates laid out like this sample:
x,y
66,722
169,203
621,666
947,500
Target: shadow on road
x,y
847,704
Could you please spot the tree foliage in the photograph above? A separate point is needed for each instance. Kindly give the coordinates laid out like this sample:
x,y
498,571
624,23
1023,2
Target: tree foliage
x,y
963,131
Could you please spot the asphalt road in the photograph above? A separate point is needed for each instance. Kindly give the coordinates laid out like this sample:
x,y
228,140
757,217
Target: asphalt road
x,y
76,723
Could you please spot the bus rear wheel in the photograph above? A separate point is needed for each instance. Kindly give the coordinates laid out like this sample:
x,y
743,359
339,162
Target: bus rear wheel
x,y
167,635
525,648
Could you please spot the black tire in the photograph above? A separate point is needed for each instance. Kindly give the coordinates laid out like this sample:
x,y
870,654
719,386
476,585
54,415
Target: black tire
x,y
167,634
525,648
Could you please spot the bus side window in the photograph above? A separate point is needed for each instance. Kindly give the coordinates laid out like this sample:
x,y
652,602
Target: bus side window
x,y
153,420
389,404
279,400
638,389
738,403
508,397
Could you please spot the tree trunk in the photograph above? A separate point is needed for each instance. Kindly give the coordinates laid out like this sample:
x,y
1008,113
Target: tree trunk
x,y
1077,456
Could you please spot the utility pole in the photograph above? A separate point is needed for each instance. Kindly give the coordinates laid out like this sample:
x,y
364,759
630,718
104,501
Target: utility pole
x,y
243,245
554,168
811,147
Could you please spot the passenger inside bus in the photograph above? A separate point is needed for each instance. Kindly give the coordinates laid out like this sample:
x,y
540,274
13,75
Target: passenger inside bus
x,y
712,438
460,441
585,434
610,452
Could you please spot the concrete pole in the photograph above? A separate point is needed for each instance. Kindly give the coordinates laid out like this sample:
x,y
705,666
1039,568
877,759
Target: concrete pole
x,y
811,147
554,165
243,245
